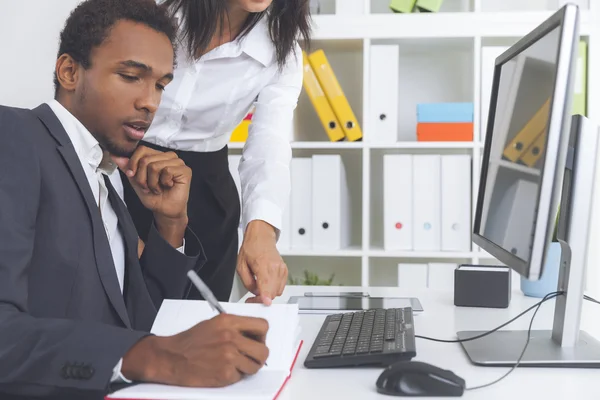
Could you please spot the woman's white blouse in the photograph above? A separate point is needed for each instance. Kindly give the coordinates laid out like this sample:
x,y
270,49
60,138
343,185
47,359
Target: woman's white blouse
x,y
209,97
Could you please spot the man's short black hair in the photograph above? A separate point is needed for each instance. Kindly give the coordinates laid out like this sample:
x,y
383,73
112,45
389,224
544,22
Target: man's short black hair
x,y
90,22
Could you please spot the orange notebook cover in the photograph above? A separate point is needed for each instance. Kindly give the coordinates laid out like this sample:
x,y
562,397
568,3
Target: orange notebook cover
x,y
445,131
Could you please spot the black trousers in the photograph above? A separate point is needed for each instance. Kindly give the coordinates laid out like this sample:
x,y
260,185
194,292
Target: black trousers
x,y
213,212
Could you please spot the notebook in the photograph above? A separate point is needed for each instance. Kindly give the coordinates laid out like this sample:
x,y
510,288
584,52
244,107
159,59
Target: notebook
x,y
282,340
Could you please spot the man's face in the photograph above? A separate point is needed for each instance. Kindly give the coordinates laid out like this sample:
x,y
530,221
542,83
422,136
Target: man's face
x,y
117,97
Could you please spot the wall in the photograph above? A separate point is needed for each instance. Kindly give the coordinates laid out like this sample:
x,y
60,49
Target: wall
x,y
29,34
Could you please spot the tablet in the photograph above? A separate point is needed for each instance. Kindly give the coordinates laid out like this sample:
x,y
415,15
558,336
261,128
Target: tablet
x,y
330,304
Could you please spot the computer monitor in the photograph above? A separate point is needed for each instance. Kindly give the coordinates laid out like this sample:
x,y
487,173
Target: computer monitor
x,y
538,156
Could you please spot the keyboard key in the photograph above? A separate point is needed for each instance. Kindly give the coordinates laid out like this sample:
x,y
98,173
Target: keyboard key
x,y
332,326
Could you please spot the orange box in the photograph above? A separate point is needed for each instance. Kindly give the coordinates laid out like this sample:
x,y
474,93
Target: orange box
x,y
445,131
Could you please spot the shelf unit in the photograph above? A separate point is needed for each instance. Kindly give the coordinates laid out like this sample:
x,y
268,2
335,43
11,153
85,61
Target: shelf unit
x,y
449,43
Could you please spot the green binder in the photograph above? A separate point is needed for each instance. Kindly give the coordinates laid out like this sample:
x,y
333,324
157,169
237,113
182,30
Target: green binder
x,y
429,5
402,6
580,89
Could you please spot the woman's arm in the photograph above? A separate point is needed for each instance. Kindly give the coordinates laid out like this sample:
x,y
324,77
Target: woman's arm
x,y
265,165
265,181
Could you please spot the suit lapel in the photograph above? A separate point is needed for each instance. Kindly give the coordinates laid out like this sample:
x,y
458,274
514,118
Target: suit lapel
x,y
102,253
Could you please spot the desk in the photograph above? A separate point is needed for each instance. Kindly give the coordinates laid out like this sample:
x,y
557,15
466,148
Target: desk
x,y
441,319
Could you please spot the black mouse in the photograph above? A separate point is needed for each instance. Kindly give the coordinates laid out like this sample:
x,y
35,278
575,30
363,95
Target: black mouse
x,y
416,379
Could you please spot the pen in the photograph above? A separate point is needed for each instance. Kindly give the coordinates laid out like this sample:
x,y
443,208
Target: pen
x,y
205,291
207,294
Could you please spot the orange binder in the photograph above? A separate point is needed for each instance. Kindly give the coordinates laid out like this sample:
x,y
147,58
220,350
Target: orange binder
x,y
445,131
338,101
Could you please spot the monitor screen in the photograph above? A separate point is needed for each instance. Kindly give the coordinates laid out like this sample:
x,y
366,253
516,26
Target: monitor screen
x,y
516,155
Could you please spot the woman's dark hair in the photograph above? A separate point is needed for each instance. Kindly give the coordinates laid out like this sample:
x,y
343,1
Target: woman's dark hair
x,y
288,21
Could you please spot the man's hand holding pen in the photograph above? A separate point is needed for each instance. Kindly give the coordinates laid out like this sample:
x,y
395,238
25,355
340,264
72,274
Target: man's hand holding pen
x,y
213,353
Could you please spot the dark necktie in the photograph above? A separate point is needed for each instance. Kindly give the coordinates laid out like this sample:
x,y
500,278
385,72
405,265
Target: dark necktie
x,y
125,222
135,293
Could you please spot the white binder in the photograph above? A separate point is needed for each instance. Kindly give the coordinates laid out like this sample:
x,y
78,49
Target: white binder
x,y
426,202
285,236
330,203
412,276
397,202
441,276
456,202
301,201
519,206
350,7
508,224
383,93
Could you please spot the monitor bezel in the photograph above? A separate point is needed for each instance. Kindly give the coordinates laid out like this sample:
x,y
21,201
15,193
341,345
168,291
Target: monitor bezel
x,y
566,20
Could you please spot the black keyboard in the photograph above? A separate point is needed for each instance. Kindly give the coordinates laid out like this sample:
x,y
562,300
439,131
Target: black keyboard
x,y
371,337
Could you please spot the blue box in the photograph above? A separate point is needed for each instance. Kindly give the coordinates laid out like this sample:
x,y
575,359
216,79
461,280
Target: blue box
x,y
445,112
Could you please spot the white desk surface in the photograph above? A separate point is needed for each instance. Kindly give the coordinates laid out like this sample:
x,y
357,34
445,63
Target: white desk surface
x,y
441,319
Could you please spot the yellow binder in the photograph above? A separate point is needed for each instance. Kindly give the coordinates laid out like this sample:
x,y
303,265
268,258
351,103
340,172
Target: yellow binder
x,y
527,134
320,103
335,95
534,152
240,133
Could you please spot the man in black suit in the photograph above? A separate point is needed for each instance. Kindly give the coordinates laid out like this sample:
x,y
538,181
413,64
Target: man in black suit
x,y
77,300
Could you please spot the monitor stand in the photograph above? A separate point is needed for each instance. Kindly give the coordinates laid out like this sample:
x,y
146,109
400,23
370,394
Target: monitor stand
x,y
565,345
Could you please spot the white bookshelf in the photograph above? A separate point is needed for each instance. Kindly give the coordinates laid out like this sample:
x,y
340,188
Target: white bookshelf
x,y
440,60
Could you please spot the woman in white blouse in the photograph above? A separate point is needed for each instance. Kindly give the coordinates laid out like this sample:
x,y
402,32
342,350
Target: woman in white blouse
x,y
234,55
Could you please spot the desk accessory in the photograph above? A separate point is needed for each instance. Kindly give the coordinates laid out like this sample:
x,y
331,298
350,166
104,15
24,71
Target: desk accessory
x,y
336,304
371,337
482,286
336,294
549,279
419,379
282,340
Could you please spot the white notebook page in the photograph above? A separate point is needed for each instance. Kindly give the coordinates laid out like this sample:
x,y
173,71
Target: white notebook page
x,y
176,316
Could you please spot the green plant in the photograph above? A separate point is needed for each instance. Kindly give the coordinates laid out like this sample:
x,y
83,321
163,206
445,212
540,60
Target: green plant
x,y
311,279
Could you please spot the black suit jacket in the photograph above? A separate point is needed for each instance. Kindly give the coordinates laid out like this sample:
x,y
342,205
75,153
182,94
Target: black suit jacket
x,y
64,323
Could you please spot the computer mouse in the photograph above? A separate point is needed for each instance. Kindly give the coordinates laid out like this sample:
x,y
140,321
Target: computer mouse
x,y
415,379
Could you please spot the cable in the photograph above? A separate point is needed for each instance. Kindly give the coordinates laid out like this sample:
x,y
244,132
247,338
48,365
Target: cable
x,y
546,298
588,298
536,306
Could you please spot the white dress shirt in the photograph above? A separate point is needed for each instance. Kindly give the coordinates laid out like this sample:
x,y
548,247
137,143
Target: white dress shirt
x,y
90,155
210,96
